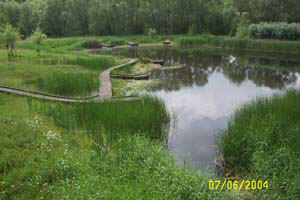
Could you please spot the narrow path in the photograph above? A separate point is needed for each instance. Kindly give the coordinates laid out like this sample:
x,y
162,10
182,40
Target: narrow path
x,y
105,89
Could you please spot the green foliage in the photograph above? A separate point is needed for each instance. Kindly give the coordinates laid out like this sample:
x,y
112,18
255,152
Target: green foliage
x,y
10,37
151,32
242,28
10,12
268,10
29,17
68,84
192,30
101,17
279,31
38,37
92,44
262,139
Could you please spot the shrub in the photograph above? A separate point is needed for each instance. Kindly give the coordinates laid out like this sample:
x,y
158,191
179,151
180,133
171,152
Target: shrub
x,y
38,37
10,37
92,44
279,31
192,30
242,29
151,32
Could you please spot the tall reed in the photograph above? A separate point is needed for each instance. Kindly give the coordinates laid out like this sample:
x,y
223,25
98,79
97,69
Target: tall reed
x,y
68,84
147,117
262,141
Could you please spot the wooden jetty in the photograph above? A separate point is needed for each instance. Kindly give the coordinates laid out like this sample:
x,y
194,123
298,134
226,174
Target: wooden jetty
x,y
133,44
107,45
133,77
167,42
159,62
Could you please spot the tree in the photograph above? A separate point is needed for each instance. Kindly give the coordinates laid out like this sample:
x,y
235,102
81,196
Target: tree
x,y
9,37
10,13
55,18
28,19
79,11
38,37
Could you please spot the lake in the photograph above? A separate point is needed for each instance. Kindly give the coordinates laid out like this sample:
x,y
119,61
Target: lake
x,y
205,87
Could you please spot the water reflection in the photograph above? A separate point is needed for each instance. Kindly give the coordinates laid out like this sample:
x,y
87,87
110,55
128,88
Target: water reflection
x,y
204,93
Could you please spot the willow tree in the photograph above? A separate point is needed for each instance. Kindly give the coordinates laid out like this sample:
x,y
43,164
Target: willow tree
x,y
9,38
38,37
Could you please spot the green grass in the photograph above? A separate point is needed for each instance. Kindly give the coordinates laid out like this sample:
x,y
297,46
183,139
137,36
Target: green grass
x,y
30,151
69,84
262,142
89,61
41,157
147,116
65,45
135,168
55,72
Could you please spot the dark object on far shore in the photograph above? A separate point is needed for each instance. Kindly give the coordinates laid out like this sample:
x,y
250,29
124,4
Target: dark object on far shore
x,y
133,44
167,42
107,45
134,77
159,62
92,44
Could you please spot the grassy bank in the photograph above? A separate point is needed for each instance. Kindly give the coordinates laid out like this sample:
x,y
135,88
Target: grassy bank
x,y
46,156
262,143
290,47
146,116
63,45
57,71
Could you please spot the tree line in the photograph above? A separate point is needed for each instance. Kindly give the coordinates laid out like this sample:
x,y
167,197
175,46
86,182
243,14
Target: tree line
x,y
123,17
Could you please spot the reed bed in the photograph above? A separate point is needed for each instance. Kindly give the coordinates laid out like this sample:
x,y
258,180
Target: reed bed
x,y
262,142
147,117
68,84
89,62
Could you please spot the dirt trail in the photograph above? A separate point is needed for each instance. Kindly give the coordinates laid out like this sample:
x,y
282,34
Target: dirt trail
x,y
105,89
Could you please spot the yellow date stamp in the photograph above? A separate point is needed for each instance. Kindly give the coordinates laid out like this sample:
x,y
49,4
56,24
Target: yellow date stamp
x,y
238,185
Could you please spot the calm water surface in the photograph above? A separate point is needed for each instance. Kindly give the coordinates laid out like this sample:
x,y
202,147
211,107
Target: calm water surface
x,y
206,91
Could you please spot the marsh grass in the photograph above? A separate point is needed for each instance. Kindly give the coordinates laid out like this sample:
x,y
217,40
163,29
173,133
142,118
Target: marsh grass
x,y
42,160
133,167
262,141
68,84
31,72
92,44
29,151
63,45
123,70
108,150
89,62
147,117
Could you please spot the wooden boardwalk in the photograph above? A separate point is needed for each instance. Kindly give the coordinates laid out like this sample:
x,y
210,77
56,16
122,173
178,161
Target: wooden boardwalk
x,y
105,89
